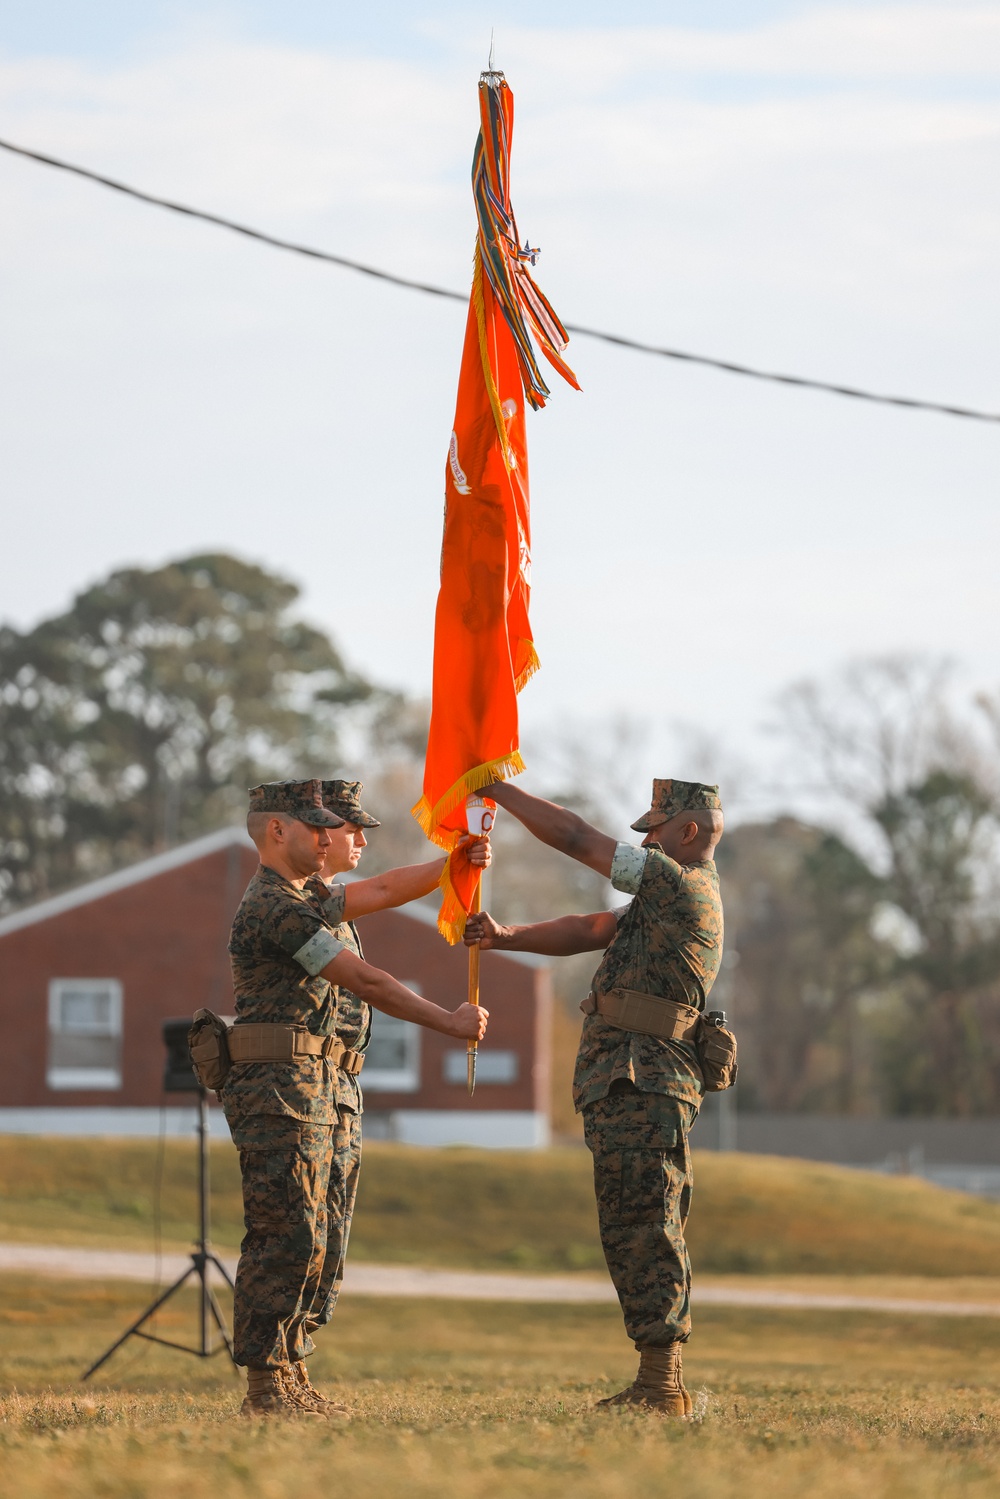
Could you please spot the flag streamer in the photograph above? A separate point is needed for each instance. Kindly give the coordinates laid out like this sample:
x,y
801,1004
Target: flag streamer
x,y
483,649
504,258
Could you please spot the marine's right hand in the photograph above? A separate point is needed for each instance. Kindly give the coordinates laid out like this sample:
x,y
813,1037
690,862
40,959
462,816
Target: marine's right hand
x,y
469,1022
480,927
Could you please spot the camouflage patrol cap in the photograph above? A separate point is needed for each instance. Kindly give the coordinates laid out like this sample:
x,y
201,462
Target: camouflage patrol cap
x,y
302,800
343,797
671,797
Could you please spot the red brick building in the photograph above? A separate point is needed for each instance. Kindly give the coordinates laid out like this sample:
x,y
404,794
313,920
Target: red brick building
x,y
88,977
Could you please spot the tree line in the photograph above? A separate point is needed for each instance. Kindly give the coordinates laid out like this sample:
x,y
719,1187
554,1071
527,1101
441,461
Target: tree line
x,y
868,978
863,941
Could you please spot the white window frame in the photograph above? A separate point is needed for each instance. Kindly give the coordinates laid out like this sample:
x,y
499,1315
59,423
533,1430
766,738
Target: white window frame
x,y
405,1079
506,1062
85,1079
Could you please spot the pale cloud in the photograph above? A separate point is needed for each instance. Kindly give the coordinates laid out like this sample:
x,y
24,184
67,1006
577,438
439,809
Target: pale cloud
x,y
285,129
870,43
169,387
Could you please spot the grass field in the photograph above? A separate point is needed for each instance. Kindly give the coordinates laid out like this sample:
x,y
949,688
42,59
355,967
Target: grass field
x,y
487,1402
515,1210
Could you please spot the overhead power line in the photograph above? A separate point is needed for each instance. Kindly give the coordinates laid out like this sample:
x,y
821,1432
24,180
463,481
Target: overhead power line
x,y
729,366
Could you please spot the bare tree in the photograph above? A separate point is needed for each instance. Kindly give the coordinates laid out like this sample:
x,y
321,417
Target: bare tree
x,y
890,740
876,727
593,765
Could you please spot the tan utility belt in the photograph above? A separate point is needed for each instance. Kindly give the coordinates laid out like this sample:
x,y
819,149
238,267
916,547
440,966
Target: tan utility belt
x,y
630,1010
254,1042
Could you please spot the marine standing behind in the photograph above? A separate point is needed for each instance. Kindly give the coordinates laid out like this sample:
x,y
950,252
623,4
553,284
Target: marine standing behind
x,y
638,1081
339,903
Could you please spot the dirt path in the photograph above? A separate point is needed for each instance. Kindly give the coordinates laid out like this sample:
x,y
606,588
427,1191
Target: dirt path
x,y
468,1285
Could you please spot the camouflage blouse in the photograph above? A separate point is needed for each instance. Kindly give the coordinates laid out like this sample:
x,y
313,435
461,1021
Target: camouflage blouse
x,y
669,943
354,1016
279,944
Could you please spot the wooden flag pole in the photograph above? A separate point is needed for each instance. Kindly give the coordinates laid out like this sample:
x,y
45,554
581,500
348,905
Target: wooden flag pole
x,y
479,818
473,1047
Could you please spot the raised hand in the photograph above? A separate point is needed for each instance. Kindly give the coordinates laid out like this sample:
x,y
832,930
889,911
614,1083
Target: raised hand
x,y
477,850
480,927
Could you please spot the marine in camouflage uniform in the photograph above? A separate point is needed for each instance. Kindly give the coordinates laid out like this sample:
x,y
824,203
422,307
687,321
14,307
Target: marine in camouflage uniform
x,y
354,1027
297,1124
639,1094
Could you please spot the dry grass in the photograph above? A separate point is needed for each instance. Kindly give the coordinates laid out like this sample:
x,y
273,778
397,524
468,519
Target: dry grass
x,y
488,1402
770,1215
507,1210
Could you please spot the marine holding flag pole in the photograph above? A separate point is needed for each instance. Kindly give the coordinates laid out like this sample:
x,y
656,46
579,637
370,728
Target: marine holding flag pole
x,y
483,650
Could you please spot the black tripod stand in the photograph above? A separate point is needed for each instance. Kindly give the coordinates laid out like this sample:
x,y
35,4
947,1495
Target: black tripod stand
x,y
209,1311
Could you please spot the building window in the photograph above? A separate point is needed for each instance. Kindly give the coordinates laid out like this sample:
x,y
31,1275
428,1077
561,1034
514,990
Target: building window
x,y
392,1060
85,1033
491,1067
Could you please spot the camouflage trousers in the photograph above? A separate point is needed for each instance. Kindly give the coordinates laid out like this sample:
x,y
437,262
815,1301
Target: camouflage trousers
x,y
299,1185
643,1181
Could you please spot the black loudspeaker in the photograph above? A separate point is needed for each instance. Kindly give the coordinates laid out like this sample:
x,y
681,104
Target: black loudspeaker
x,y
178,1074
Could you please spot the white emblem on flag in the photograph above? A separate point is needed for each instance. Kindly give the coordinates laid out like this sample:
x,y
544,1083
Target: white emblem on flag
x,y
509,409
461,482
524,555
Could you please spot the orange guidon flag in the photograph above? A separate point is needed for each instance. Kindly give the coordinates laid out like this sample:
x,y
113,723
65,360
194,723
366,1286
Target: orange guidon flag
x,y
483,651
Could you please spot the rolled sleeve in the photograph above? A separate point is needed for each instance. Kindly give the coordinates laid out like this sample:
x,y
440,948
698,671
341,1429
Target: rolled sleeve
x,y
627,867
321,949
331,900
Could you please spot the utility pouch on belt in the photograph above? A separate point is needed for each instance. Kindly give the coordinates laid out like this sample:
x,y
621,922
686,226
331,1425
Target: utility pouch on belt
x,y
207,1043
716,1048
217,1047
652,1015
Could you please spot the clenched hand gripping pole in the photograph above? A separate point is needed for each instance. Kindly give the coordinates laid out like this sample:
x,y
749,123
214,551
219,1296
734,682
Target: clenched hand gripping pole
x,y
479,819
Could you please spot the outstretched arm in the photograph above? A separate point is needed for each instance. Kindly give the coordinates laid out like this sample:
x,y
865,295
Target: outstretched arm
x,y
398,886
380,989
556,939
394,888
558,828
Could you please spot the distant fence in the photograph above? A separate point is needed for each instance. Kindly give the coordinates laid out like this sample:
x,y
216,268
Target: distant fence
x,y
961,1153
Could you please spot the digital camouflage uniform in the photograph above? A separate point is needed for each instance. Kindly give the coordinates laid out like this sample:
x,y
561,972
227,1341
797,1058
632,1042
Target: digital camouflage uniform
x,y
354,1028
639,1095
297,1126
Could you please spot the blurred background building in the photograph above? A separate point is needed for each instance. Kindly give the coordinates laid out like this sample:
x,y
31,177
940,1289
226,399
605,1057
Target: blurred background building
x,y
88,977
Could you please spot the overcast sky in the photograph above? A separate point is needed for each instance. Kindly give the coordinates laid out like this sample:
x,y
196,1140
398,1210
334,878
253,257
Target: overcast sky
x,y
806,187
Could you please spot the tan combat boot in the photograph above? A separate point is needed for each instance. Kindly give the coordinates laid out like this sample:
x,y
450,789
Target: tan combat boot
x,y
659,1384
266,1397
299,1388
